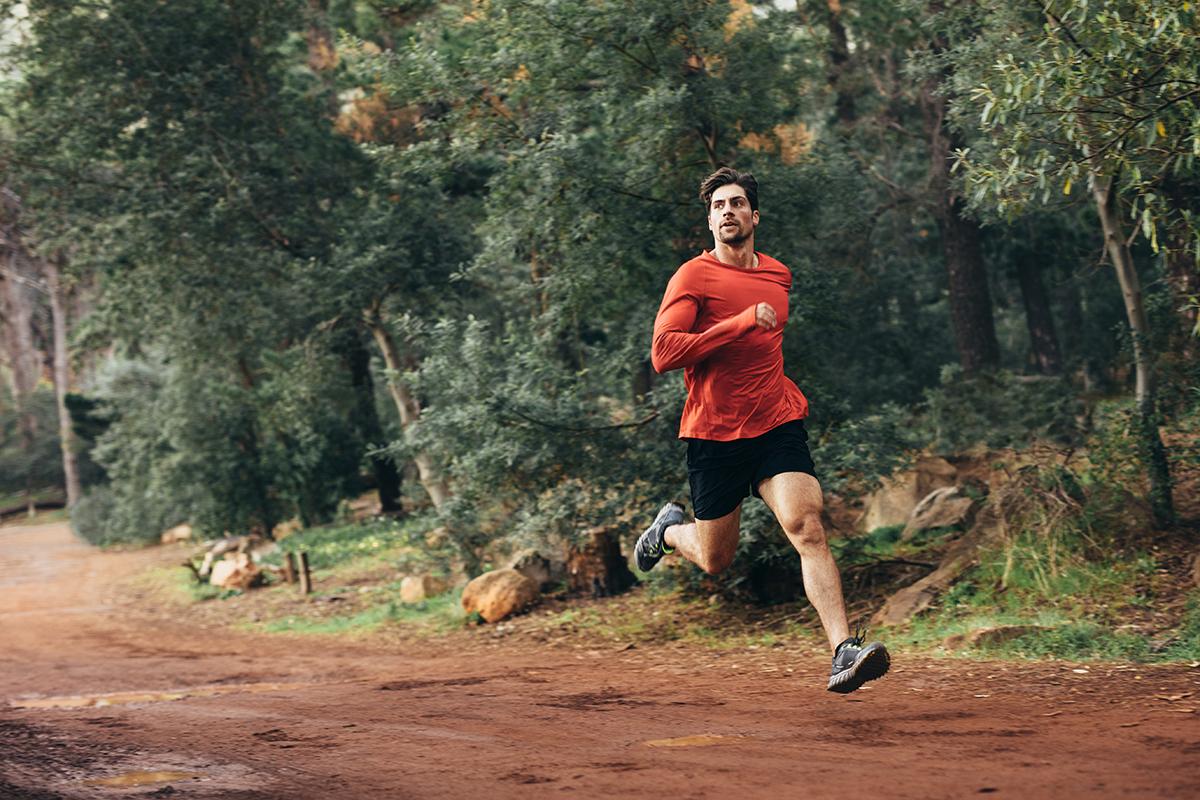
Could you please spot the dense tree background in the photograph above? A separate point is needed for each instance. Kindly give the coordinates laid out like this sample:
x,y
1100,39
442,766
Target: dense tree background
x,y
300,249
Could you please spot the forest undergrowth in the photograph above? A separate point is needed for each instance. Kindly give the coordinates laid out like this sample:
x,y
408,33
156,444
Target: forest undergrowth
x,y
1082,572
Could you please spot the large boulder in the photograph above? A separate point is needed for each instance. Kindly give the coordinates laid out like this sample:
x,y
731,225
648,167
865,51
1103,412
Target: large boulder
x,y
895,501
499,593
416,588
942,508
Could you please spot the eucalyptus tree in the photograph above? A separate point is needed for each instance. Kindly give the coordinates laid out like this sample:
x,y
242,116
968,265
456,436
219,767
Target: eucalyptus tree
x,y
184,154
1103,96
583,130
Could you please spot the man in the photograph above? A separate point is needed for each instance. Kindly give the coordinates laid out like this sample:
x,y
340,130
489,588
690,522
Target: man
x,y
722,320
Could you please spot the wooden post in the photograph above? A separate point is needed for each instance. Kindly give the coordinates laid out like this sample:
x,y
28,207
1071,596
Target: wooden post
x,y
289,567
305,575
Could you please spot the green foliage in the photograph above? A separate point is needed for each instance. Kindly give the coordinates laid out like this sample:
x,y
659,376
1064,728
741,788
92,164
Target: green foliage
x,y
333,546
1001,410
1083,92
35,463
856,456
252,458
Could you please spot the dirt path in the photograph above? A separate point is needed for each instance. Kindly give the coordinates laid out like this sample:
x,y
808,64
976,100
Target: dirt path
x,y
326,717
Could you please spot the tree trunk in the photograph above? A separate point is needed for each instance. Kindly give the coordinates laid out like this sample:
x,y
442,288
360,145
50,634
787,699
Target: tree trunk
x,y
837,60
407,405
367,419
970,297
1153,451
62,377
1042,336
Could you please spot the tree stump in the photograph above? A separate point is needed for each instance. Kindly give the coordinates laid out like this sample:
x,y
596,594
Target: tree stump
x,y
597,567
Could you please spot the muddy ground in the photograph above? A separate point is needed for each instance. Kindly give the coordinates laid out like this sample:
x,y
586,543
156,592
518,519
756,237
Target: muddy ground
x,y
101,697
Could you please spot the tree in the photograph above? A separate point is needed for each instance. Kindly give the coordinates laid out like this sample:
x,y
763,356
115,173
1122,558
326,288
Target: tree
x,y
1102,95
873,100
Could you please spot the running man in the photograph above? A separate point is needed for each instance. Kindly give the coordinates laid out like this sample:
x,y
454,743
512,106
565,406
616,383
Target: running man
x,y
722,321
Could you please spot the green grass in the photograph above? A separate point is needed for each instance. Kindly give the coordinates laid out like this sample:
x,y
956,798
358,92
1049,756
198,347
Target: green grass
x,y
430,615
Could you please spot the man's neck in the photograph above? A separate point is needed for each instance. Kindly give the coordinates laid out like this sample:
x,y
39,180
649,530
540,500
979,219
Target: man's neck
x,y
739,255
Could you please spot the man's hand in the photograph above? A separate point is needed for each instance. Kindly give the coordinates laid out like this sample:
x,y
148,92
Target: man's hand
x,y
764,316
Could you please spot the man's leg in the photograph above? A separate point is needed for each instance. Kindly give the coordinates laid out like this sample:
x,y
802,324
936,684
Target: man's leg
x,y
795,498
710,544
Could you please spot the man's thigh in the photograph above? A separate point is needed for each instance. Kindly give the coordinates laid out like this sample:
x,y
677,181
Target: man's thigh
x,y
792,497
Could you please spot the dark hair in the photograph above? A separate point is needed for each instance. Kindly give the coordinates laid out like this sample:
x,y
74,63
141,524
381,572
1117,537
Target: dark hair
x,y
725,176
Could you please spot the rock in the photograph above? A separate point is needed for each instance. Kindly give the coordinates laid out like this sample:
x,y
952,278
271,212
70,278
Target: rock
x,y
236,571
180,533
532,565
994,635
990,526
942,508
546,572
895,501
499,593
416,588
912,600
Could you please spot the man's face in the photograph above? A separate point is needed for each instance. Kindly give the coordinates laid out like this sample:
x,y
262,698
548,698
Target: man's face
x,y
729,215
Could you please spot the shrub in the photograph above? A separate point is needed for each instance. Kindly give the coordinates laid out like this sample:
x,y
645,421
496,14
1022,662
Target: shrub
x,y
1001,410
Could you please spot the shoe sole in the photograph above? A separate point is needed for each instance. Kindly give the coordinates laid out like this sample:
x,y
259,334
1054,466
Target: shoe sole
x,y
872,663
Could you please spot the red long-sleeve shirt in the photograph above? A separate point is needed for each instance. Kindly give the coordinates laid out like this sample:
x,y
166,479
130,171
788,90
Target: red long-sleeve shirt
x,y
732,368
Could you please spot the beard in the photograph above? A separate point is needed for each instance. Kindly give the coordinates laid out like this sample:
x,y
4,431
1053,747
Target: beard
x,y
734,235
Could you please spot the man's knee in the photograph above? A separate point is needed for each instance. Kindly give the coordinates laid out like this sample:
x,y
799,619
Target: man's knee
x,y
805,530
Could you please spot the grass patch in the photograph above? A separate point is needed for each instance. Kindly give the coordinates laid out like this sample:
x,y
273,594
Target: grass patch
x,y
434,614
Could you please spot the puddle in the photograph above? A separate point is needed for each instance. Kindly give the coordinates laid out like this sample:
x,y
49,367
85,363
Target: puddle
x,y
702,740
122,698
141,778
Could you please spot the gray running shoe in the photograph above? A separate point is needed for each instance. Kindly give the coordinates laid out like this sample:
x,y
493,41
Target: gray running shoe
x,y
650,546
855,663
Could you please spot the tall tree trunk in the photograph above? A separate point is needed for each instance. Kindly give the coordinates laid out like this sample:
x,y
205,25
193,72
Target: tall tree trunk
x,y
970,297
1153,452
62,375
406,404
837,57
367,419
1042,336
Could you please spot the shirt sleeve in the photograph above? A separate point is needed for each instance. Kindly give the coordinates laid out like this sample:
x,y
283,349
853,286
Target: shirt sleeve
x,y
675,346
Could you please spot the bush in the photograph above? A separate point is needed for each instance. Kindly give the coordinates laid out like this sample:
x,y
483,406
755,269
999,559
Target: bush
x,y
1001,410
39,467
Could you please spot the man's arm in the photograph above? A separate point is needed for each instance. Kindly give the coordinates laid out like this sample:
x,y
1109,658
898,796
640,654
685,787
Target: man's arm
x,y
675,346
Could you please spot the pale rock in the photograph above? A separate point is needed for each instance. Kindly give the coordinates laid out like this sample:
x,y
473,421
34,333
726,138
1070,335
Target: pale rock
x,y
895,501
942,508
499,593
543,571
180,533
416,588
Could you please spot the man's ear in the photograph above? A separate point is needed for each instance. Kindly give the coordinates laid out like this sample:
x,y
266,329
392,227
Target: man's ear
x,y
755,218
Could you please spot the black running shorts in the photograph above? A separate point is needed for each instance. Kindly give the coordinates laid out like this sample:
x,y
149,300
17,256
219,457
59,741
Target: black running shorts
x,y
723,474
